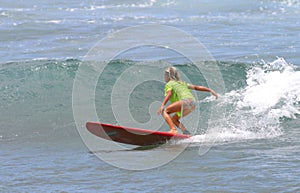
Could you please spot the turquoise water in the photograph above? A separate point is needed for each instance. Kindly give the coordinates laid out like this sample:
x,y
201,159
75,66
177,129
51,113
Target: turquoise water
x,y
252,145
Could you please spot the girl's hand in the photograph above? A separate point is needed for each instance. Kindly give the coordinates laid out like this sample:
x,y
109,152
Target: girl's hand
x,y
214,93
160,110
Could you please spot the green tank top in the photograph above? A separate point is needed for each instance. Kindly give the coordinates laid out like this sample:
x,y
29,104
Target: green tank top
x,y
180,91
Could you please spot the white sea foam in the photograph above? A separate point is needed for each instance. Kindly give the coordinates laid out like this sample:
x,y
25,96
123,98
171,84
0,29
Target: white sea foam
x,y
273,87
272,94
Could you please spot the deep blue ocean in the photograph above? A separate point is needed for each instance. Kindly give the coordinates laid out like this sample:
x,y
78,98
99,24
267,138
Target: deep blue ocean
x,y
63,63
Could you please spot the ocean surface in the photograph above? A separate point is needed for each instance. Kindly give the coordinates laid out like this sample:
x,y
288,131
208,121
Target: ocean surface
x,y
50,85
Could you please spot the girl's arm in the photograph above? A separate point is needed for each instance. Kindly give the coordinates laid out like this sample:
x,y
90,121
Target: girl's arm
x,y
166,99
203,88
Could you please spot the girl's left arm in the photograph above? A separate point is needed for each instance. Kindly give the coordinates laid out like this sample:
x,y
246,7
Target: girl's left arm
x,y
203,88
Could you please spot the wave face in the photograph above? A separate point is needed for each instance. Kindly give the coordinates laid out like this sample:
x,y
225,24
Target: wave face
x,y
36,99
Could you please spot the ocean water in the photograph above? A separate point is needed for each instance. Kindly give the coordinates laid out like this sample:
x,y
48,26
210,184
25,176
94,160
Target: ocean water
x,y
246,141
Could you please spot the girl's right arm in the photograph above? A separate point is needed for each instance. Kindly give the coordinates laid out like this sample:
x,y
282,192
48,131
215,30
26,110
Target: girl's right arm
x,y
166,99
203,88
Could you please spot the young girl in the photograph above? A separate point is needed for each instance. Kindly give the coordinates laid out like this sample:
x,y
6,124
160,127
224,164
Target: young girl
x,y
181,98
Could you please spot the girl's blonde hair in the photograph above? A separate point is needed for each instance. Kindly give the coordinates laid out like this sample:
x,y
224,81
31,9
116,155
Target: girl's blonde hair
x,y
172,73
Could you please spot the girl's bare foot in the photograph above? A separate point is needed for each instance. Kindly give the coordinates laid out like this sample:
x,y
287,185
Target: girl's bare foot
x,y
173,131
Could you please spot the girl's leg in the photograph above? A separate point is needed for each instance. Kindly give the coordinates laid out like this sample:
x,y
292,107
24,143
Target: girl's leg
x,y
178,124
176,118
172,108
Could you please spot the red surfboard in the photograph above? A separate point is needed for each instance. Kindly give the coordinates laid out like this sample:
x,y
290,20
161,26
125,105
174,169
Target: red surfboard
x,y
133,136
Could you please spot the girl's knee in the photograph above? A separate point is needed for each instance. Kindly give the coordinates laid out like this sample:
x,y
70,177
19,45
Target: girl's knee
x,y
166,110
